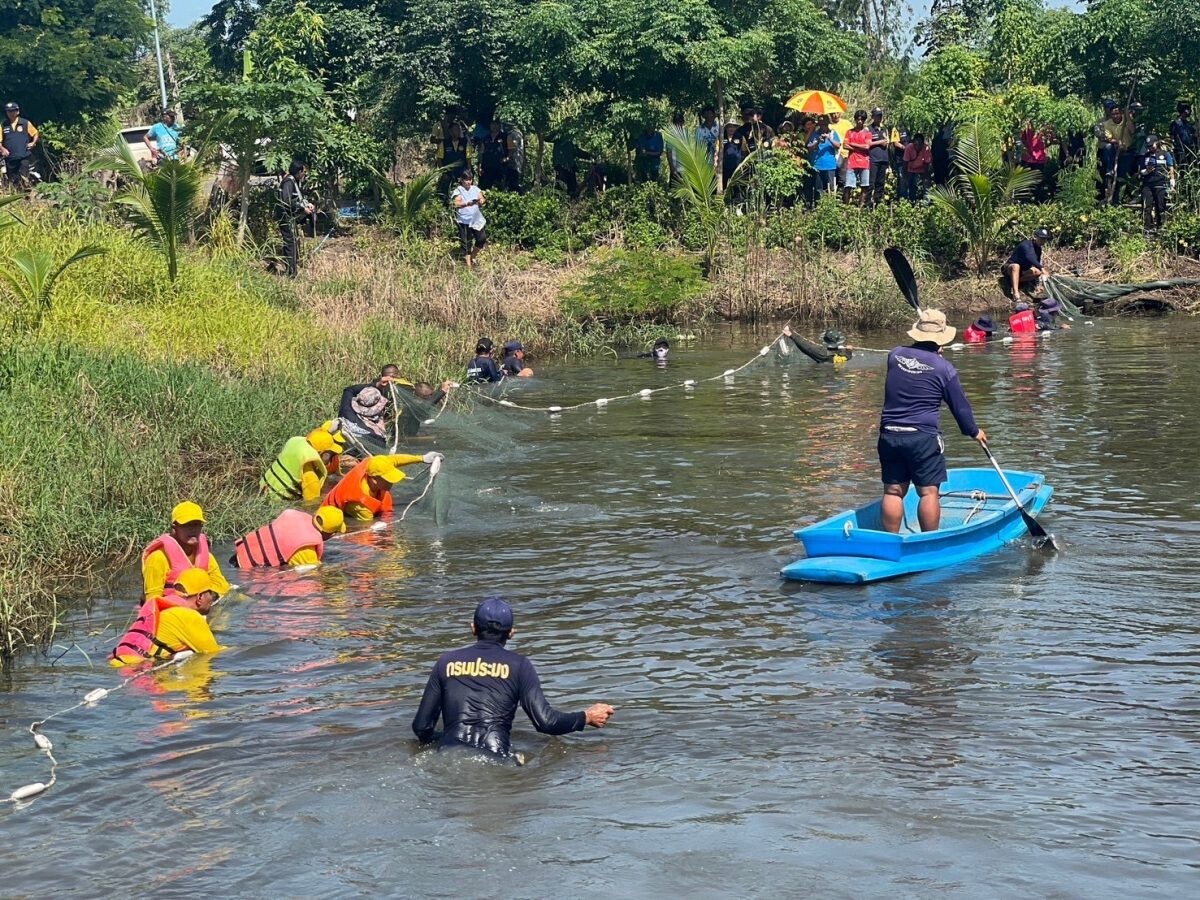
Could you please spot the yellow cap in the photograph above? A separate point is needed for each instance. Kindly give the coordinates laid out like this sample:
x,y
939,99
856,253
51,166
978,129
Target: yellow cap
x,y
192,582
383,467
322,439
330,520
186,512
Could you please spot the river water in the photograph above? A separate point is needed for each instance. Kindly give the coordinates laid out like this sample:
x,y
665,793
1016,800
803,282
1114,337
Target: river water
x,y
1025,726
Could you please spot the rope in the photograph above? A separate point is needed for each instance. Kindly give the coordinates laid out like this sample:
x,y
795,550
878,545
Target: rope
x,y
90,699
604,401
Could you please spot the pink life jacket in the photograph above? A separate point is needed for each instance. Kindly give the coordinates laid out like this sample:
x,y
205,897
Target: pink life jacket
x,y
176,558
274,544
140,639
973,335
1023,322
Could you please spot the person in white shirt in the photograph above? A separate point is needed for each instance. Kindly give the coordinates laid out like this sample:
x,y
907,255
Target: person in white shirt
x,y
468,201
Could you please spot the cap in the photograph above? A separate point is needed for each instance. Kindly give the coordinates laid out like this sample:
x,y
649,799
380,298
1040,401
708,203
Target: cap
x,y
330,520
1041,233
321,440
494,611
985,324
1151,139
484,344
1050,305
187,512
1110,104
11,105
833,338
193,581
1136,106
877,111
383,467
513,346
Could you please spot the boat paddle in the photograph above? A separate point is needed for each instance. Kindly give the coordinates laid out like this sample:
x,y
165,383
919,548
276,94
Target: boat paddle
x,y
903,273
1041,537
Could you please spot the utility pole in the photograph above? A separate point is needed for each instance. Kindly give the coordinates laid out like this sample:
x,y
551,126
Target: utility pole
x,y
162,81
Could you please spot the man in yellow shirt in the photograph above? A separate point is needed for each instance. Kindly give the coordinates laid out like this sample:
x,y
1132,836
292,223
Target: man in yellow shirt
x,y
294,539
842,128
182,547
366,491
166,626
300,469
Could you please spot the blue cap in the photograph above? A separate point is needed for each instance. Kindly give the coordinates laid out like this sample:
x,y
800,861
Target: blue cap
x,y
495,612
513,346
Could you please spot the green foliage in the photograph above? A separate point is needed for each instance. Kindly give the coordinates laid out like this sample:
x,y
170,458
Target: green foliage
x,y
408,208
533,221
630,286
79,197
70,58
947,78
643,213
979,197
31,276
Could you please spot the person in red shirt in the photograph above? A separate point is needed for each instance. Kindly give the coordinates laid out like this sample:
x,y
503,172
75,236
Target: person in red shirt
x,y
858,166
1033,156
918,159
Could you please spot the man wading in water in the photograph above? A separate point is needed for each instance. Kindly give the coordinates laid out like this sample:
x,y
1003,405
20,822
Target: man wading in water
x,y
910,443
476,691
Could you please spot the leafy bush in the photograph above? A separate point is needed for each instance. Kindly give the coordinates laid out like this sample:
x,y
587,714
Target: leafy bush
x,y
629,209
81,197
1181,231
1073,227
530,221
627,286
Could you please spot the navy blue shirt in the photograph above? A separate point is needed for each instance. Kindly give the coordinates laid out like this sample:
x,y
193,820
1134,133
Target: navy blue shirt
x,y
512,365
1027,255
483,369
476,691
918,381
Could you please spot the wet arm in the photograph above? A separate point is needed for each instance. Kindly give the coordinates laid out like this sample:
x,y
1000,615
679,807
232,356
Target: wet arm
x,y
424,724
545,718
815,352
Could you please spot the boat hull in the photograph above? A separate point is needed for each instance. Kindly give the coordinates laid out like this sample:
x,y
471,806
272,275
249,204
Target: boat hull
x,y
977,518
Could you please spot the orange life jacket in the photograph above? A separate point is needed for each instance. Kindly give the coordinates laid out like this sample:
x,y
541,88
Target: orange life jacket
x,y
140,639
1023,322
973,335
275,543
350,490
176,558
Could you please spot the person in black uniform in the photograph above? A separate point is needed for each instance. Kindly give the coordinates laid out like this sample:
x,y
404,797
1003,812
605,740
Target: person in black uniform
x,y
20,138
476,690
1184,137
292,207
514,360
483,369
1157,169
833,347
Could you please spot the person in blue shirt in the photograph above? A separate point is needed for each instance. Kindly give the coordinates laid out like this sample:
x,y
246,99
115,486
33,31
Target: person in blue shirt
x,y
163,138
476,690
483,369
910,445
823,146
514,360
649,150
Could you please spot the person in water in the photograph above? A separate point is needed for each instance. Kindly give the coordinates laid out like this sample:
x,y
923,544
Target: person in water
x,y
183,546
293,539
910,445
171,623
483,369
659,352
980,331
514,360
1024,268
366,491
303,465
832,349
1047,315
418,401
476,690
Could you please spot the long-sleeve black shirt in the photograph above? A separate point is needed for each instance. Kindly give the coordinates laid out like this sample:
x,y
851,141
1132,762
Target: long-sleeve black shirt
x,y
291,200
476,691
817,352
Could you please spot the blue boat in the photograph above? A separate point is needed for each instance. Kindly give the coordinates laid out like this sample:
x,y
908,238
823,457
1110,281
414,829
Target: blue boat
x,y
978,517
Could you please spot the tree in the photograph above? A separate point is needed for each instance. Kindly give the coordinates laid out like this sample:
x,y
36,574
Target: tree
x,y
69,59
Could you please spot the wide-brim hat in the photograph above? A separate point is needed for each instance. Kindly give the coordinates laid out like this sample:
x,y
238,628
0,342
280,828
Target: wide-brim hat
x,y
985,324
931,326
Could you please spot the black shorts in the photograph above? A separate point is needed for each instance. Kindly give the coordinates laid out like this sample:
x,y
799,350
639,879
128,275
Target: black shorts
x,y
471,236
912,456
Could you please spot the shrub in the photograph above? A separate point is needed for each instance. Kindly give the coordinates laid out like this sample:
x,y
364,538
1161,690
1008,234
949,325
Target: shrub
x,y
627,286
530,221
628,209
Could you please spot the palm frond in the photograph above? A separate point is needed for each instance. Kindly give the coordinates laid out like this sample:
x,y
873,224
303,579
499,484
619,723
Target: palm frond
x,y
117,158
695,181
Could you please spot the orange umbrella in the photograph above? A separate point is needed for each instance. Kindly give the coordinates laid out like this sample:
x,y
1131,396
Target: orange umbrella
x,y
817,103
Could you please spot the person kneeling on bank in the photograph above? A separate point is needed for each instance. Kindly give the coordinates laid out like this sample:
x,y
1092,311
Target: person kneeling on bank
x,y
366,491
171,623
294,539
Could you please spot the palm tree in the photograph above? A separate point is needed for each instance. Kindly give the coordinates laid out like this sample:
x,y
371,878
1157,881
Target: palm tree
x,y
163,204
978,196
36,274
695,185
405,202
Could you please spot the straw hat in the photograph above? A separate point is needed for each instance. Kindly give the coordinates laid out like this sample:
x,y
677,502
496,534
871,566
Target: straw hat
x,y
931,326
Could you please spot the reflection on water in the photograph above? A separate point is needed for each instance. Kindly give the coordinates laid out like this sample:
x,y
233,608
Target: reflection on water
x,y
1023,725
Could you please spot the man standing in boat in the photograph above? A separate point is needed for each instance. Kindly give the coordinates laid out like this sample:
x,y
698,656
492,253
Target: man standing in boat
x,y
910,441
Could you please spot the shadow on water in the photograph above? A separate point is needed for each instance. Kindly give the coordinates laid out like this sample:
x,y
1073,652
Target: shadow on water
x,y
1024,721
